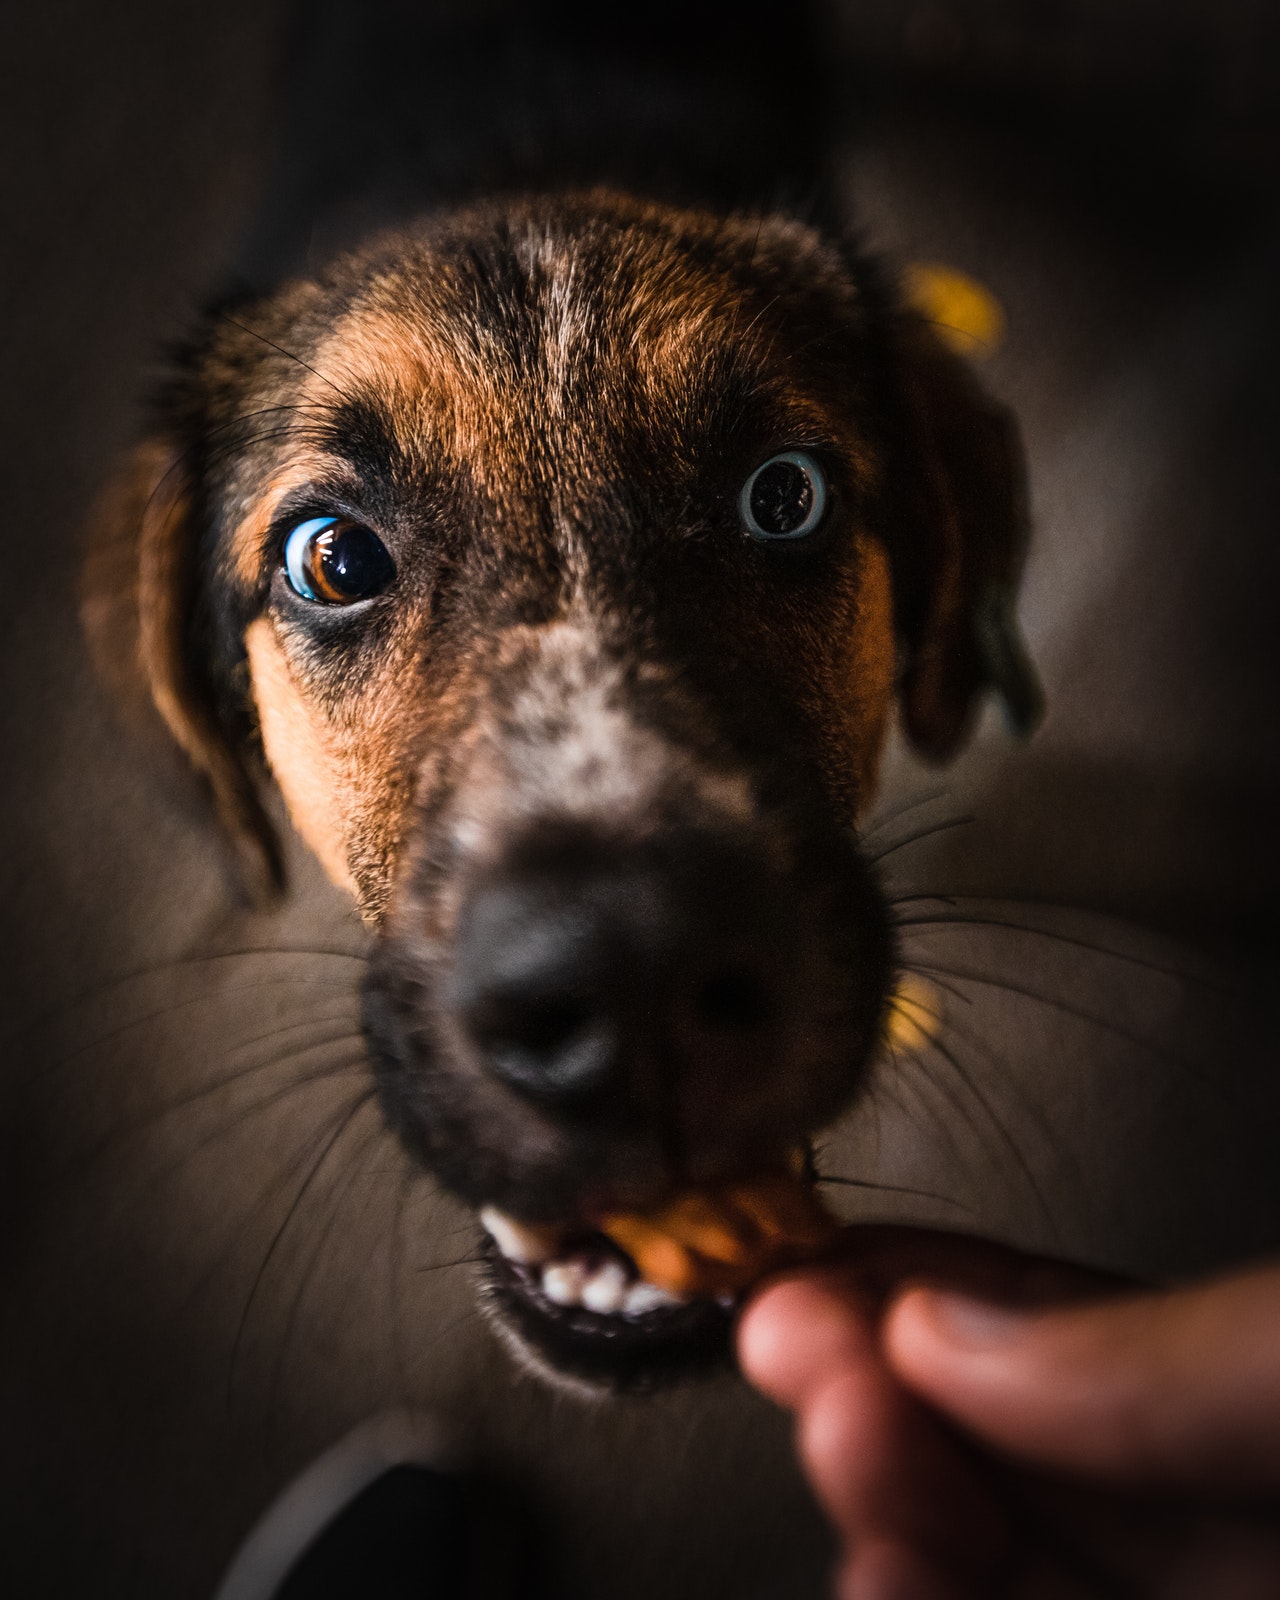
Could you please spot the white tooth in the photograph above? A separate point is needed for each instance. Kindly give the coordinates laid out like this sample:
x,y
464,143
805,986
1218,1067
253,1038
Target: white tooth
x,y
642,1297
606,1288
562,1282
516,1240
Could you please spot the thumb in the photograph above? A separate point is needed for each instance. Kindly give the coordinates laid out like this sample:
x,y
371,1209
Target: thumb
x,y
1179,1388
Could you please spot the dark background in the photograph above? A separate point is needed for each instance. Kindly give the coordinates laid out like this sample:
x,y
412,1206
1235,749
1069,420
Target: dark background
x,y
1109,170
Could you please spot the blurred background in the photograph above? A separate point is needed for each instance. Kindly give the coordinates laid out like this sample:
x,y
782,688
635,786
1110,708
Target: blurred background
x,y
186,1322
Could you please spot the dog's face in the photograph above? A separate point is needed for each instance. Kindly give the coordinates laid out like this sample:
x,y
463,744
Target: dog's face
x,y
565,558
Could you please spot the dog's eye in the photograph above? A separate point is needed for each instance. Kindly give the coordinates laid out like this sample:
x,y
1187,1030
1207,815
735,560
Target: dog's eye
x,y
336,562
785,498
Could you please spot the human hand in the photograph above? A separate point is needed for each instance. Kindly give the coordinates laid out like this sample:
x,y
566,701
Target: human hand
x,y
977,1422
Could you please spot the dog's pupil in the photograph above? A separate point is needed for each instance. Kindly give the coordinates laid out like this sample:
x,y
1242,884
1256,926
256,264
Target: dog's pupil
x,y
781,497
354,561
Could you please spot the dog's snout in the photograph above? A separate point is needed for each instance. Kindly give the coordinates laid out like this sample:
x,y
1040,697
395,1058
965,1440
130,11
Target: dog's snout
x,y
537,990
579,978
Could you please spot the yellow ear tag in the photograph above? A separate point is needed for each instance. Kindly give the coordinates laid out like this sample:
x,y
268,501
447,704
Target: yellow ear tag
x,y
915,1014
965,316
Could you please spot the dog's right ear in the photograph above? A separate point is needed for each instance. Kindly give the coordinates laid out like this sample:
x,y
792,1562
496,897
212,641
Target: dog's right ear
x,y
140,607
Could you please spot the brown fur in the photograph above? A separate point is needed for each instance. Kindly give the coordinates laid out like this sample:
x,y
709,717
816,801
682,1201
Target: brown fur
x,y
465,401
545,410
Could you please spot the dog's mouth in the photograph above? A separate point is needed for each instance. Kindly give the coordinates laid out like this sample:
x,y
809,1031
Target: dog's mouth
x,y
577,1307
650,1295
632,1040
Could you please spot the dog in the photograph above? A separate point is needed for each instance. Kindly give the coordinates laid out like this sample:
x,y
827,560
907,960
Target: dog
x,y
562,557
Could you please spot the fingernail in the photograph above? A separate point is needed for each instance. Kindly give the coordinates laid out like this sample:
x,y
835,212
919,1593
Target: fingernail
x,y
976,1323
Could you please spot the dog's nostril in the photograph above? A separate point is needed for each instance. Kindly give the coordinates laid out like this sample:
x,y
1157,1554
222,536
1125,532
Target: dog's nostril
x,y
551,1025
539,1025
733,999
552,1049
537,1029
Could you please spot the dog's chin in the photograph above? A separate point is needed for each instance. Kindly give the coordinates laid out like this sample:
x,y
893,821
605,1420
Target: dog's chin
x,y
646,1339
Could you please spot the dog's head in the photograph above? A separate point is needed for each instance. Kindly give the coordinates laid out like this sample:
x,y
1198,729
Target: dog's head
x,y
565,559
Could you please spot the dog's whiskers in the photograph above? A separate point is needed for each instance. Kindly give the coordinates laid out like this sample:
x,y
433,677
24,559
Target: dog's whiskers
x,y
339,1187
352,1067
171,1009
108,986
395,1252
253,333
1064,1154
330,1135
995,1122
915,838
917,803
960,1103
473,1260
184,458
124,1132
890,1188
280,1172
969,920
900,1083
936,971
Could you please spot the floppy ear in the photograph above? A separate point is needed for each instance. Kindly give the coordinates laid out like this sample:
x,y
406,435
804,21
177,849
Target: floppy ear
x,y
140,607
959,534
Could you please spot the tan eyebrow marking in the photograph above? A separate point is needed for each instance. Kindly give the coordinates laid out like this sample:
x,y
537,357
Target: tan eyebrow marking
x,y
250,533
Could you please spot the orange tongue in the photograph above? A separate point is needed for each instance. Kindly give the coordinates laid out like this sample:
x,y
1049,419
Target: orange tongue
x,y
716,1241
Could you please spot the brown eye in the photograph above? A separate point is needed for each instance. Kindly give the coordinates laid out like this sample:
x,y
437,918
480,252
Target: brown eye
x,y
336,562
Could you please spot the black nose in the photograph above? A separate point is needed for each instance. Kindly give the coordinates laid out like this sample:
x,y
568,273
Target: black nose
x,y
579,968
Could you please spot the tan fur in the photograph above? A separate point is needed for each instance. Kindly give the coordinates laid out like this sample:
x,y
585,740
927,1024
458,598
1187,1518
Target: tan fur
x,y
862,684
345,772
250,534
299,750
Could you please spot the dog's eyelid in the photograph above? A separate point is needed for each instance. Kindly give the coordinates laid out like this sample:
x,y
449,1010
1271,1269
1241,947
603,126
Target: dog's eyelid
x,y
311,505
834,455
301,504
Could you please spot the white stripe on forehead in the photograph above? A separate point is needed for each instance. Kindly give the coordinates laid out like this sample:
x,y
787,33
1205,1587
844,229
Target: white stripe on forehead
x,y
567,323
552,268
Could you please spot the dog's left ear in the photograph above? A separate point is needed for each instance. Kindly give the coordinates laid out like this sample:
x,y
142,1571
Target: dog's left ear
x,y
958,536
140,611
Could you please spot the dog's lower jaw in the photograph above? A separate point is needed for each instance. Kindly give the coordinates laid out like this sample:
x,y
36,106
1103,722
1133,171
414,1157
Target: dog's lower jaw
x,y
592,1354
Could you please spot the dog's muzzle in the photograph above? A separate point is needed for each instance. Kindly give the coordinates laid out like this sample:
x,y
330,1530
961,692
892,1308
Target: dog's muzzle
x,y
612,973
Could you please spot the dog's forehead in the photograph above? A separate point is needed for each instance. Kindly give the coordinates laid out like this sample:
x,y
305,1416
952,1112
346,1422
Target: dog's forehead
x,y
547,332
543,356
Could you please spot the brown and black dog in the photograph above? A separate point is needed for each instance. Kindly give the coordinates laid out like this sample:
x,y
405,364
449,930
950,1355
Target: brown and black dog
x,y
562,558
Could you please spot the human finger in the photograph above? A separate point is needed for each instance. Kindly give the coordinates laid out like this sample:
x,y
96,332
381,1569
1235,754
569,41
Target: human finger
x,y
1179,1388
905,1497
800,1331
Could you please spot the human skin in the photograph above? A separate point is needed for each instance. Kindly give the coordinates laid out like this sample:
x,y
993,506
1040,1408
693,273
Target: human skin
x,y
992,1425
